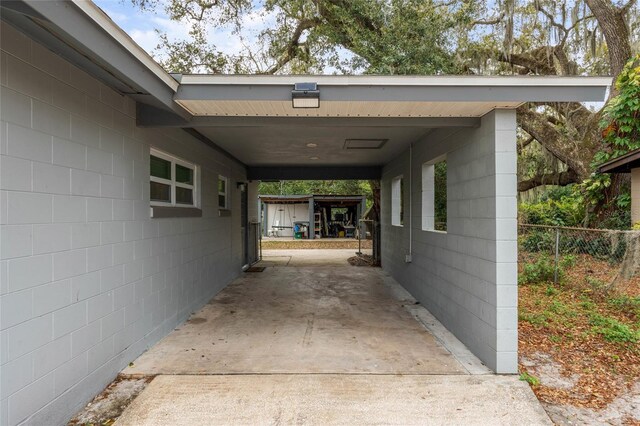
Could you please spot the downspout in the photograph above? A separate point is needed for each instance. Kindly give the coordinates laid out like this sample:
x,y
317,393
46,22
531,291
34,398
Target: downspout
x,y
408,257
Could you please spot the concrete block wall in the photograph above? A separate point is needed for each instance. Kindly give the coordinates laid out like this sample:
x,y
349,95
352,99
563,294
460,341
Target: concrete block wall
x,y
88,280
467,276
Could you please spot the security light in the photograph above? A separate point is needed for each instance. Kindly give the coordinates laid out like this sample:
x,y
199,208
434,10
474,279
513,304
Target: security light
x,y
305,95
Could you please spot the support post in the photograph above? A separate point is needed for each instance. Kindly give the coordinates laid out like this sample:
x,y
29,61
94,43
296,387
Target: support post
x,y
557,256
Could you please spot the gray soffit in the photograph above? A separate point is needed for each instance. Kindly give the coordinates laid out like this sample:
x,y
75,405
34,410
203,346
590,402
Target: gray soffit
x,y
81,33
148,116
312,173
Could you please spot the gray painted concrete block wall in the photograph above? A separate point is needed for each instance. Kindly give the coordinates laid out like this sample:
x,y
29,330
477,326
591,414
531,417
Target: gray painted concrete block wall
x,y
467,277
87,280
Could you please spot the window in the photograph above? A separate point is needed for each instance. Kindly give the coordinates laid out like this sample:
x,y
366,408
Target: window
x,y
434,196
173,182
397,202
223,192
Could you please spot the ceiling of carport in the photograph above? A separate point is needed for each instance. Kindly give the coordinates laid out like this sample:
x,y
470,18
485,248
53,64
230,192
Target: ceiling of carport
x,y
271,146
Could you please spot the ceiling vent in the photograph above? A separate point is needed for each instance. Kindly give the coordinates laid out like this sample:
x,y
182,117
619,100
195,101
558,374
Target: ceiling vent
x,y
364,143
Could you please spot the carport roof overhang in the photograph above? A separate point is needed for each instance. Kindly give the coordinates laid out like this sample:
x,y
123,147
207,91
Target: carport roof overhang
x,y
253,118
379,96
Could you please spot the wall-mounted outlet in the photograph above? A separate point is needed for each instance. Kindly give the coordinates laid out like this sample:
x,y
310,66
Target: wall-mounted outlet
x,y
407,258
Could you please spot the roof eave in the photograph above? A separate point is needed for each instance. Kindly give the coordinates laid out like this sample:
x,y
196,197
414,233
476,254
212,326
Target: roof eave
x,y
622,164
512,89
85,36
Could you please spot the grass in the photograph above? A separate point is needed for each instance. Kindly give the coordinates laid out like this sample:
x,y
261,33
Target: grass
x,y
613,330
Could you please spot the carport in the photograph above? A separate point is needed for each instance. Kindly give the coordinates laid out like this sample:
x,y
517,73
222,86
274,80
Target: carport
x,y
393,128
97,267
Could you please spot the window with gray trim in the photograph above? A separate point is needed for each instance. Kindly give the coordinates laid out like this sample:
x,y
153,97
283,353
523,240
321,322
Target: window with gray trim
x,y
172,182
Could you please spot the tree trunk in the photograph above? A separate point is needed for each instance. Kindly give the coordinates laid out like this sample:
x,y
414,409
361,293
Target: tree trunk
x,y
375,191
611,21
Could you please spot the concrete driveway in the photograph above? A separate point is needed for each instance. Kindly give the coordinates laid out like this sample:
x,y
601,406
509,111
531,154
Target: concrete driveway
x,y
308,342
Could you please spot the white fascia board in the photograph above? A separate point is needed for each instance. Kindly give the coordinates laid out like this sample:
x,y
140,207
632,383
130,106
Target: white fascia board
x,y
106,24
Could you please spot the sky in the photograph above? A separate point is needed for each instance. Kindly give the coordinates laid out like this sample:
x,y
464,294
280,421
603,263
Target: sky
x,y
141,27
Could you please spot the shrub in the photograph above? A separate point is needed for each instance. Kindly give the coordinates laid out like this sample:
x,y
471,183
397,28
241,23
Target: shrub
x,y
538,240
542,270
618,219
558,207
568,261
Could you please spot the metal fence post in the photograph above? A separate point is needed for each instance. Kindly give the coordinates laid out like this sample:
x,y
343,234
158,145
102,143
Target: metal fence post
x,y
557,257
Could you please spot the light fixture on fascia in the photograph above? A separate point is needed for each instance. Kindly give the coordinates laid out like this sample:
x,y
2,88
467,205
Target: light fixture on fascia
x,y
305,95
312,145
313,158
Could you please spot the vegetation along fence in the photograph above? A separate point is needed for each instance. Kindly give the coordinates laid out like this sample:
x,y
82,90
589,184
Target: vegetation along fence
x,y
610,256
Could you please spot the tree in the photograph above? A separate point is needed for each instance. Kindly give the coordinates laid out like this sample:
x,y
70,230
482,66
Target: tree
x,y
325,187
310,36
620,126
546,37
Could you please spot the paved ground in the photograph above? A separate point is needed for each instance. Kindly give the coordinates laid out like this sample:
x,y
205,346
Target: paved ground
x,y
313,340
312,319
335,400
307,257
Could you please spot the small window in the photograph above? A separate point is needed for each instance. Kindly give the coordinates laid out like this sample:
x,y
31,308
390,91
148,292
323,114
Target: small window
x,y
397,202
223,188
172,181
434,196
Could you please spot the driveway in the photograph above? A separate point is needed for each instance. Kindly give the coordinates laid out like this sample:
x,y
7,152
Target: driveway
x,y
312,340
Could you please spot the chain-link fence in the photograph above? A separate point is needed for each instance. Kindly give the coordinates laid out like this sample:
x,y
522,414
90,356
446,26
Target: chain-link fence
x,y
614,254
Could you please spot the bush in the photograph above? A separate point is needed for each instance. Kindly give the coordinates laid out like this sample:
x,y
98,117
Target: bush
x,y
538,240
618,219
542,270
558,207
568,261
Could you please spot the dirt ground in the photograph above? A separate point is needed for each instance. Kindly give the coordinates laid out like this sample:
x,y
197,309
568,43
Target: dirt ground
x,y
579,343
325,243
